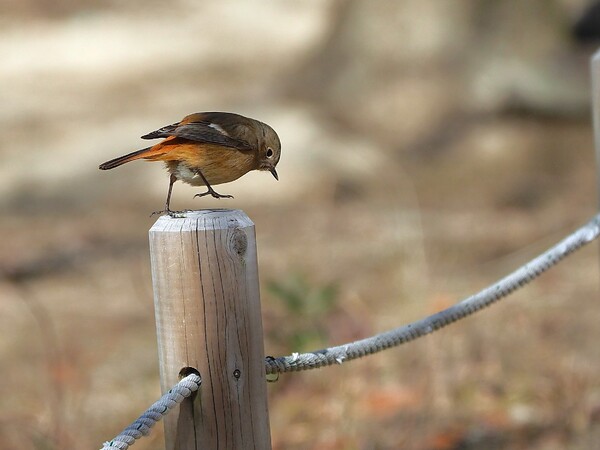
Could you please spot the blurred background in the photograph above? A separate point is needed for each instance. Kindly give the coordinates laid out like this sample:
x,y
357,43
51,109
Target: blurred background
x,y
429,148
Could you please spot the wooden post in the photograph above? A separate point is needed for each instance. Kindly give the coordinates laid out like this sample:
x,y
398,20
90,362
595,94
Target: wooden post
x,y
208,317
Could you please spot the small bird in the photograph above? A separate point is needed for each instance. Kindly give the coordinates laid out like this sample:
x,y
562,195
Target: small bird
x,y
209,148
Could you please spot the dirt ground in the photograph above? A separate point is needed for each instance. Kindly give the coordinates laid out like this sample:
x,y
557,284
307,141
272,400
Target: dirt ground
x,y
429,148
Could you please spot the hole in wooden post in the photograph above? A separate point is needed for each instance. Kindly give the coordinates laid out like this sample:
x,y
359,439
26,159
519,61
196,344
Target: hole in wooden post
x,y
188,371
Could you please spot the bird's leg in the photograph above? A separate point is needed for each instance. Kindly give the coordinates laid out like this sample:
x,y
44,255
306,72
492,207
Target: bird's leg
x,y
167,209
172,181
210,190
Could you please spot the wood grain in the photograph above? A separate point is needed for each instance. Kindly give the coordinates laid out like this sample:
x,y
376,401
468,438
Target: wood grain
x,y
208,317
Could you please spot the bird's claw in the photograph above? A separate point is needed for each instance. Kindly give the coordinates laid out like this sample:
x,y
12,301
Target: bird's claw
x,y
174,214
213,193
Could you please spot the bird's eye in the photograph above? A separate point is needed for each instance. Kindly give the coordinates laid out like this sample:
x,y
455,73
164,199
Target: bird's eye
x,y
269,152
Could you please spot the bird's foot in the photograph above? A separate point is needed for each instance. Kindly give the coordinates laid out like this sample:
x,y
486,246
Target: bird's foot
x,y
213,193
158,213
174,214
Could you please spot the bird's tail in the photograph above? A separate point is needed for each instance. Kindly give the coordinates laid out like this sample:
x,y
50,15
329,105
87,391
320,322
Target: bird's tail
x,y
145,153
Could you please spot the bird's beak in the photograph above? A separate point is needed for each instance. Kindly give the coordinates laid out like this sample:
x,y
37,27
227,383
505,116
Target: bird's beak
x,y
274,172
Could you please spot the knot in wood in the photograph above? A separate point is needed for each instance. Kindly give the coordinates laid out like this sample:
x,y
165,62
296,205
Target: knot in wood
x,y
238,242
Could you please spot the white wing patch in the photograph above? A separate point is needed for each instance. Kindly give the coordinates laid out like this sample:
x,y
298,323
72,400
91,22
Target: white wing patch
x,y
218,128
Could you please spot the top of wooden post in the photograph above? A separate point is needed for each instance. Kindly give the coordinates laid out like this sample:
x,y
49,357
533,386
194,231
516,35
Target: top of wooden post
x,y
203,219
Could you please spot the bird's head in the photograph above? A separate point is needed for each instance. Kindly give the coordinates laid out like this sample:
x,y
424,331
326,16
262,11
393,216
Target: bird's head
x,y
269,150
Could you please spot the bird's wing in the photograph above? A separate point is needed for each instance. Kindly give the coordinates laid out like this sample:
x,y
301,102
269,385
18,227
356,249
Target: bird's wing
x,y
202,131
161,132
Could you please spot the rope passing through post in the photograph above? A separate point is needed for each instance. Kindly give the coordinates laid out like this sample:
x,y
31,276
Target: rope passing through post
x,y
337,355
407,333
357,349
141,426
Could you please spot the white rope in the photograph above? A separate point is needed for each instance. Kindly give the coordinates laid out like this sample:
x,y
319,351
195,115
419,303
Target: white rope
x,y
141,426
338,355
406,333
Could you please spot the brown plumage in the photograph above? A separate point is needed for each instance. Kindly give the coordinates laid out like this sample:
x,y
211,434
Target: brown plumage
x,y
210,148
